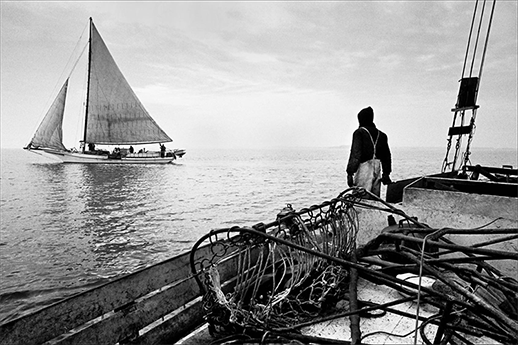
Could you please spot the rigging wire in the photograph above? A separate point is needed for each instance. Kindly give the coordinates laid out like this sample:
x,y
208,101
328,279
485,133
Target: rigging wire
x,y
478,38
479,28
469,39
59,81
487,40
80,117
467,152
458,155
61,77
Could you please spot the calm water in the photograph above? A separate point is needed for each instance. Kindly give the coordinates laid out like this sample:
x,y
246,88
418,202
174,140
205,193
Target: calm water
x,y
65,228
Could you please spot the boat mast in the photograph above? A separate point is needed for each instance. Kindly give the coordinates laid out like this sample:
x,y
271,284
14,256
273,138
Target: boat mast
x,y
88,82
463,124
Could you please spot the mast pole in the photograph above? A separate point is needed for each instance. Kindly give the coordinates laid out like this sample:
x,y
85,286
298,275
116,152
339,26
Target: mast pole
x,y
88,83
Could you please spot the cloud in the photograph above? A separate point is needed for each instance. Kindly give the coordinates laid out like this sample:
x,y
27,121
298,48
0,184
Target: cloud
x,y
279,65
255,58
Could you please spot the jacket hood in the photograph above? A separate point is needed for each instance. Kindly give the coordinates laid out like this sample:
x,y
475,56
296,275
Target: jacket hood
x,y
366,117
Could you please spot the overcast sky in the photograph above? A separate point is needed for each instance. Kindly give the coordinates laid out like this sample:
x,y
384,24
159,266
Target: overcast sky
x,y
267,74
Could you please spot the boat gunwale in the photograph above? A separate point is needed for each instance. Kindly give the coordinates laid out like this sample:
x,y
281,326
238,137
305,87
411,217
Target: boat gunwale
x,y
97,301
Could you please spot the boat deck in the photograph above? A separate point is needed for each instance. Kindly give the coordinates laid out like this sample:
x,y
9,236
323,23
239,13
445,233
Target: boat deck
x,y
396,329
163,303
379,328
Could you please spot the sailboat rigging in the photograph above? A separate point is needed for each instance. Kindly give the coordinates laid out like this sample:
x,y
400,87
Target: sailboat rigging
x,y
113,116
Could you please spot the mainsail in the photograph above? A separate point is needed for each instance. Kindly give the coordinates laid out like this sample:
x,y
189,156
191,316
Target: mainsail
x,y
50,132
115,116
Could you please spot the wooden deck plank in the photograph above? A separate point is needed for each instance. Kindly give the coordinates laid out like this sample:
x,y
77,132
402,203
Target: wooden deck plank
x,y
137,316
200,335
59,318
129,321
178,325
110,304
174,328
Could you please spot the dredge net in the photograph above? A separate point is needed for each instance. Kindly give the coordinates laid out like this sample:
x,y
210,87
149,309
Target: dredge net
x,y
271,280
283,277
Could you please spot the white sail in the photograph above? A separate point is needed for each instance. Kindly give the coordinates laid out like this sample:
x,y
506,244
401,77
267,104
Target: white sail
x,y
115,114
50,132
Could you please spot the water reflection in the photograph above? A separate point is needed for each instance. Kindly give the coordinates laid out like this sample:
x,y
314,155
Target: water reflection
x,y
69,227
116,199
65,227
91,221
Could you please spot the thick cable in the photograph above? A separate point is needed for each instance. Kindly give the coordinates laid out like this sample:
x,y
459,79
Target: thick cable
x,y
421,263
469,39
487,40
476,41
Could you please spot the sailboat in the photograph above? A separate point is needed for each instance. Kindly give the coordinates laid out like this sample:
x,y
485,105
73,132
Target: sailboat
x,y
113,116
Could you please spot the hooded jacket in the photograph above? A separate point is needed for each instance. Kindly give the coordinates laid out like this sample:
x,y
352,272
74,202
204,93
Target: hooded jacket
x,y
362,148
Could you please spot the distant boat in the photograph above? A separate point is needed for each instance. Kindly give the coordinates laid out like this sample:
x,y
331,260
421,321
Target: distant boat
x,y
113,116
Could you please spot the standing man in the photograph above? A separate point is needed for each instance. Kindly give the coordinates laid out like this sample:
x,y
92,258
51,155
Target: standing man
x,y
370,154
162,150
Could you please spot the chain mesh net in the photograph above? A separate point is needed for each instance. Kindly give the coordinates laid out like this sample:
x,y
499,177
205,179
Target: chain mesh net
x,y
280,280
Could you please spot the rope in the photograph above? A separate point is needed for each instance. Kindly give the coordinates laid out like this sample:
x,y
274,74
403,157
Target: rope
x,y
421,264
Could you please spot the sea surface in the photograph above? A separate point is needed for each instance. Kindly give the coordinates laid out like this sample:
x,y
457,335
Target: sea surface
x,y
66,228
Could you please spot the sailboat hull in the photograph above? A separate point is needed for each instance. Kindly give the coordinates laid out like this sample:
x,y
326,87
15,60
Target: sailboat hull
x,y
113,116
85,158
